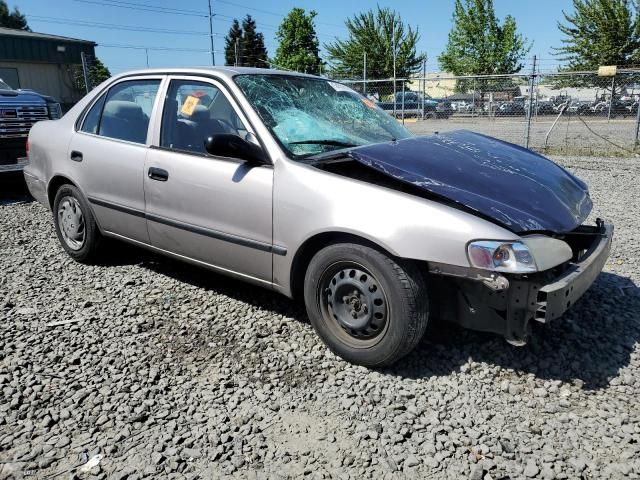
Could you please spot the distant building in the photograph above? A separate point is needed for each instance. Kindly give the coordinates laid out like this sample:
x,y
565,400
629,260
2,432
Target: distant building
x,y
45,63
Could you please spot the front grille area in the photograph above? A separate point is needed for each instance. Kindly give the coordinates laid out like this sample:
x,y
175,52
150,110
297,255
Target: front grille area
x,y
16,121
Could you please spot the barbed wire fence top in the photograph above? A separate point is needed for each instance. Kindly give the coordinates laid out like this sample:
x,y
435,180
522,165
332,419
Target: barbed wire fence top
x,y
580,113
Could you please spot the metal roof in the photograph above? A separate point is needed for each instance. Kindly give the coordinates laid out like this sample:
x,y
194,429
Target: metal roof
x,y
43,36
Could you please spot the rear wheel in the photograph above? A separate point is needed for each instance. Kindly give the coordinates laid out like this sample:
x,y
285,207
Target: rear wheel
x,y
75,225
367,307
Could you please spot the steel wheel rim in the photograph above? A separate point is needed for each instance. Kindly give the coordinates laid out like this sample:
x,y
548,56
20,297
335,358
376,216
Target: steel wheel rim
x,y
353,304
71,222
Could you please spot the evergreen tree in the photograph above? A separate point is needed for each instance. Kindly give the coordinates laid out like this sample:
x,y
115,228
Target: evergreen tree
x,y
253,51
13,19
600,32
298,47
479,45
377,33
234,35
98,73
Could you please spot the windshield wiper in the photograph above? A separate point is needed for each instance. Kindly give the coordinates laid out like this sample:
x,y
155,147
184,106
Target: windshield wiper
x,y
335,143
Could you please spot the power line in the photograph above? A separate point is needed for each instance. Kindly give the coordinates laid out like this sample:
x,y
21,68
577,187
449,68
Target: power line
x,y
133,28
270,12
145,7
142,47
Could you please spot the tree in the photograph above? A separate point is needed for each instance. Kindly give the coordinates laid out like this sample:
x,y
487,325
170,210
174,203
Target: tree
x,y
98,73
479,45
298,43
600,32
14,19
234,36
252,50
378,34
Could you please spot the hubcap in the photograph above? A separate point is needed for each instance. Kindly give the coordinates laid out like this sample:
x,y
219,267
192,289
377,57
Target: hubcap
x,y
71,222
352,298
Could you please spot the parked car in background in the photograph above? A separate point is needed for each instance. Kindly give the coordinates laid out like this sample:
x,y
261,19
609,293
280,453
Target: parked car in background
x,y
510,109
616,108
299,184
414,104
575,107
19,111
462,106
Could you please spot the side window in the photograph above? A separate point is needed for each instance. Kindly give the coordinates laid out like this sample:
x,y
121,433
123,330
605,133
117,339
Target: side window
x,y
194,111
127,109
92,120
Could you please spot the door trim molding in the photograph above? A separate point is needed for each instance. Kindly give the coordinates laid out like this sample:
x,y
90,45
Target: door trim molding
x,y
218,235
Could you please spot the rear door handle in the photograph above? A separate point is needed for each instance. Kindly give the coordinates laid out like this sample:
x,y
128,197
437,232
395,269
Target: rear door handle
x,y
158,174
76,156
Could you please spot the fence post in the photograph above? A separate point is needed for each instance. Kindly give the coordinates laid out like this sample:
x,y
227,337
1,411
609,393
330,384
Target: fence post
x,y
424,84
393,43
635,142
364,75
530,106
613,87
85,71
403,102
473,105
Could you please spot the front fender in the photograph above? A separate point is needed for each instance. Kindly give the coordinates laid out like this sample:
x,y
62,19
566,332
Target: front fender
x,y
309,201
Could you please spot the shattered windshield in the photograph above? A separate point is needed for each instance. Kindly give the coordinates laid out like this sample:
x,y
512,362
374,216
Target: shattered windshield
x,y
311,115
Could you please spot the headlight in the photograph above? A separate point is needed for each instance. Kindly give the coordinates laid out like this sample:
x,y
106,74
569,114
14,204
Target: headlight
x,y
510,257
55,110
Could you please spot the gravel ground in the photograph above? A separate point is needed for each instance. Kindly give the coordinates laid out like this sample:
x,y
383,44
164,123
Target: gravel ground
x,y
569,135
151,368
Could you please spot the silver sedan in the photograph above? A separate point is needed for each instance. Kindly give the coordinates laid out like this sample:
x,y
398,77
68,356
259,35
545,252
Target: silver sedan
x,y
303,186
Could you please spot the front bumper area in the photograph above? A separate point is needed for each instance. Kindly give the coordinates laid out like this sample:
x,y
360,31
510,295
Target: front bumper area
x,y
508,306
556,297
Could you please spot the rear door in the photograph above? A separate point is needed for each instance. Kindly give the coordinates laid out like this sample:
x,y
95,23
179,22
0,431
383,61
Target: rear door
x,y
110,148
215,210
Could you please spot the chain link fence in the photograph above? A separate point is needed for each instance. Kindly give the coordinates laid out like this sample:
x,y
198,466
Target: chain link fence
x,y
566,113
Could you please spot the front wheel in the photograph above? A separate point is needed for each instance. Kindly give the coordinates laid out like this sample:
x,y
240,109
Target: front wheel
x,y
368,308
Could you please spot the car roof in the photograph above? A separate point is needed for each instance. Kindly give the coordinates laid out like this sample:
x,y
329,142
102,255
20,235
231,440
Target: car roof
x,y
227,72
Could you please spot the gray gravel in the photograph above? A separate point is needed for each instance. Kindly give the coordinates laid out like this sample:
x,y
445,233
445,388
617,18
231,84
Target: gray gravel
x,y
144,367
569,135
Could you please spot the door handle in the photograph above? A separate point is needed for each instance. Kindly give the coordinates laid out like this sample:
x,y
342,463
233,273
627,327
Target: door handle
x,y
158,174
76,156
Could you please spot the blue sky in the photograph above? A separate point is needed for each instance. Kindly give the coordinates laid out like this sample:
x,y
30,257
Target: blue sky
x,y
536,20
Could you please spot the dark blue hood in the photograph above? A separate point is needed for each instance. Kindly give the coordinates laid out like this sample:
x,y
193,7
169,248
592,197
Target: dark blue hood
x,y
515,187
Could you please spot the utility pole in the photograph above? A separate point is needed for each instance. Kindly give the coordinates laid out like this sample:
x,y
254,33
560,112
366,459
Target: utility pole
x,y
213,55
237,42
146,52
364,75
85,71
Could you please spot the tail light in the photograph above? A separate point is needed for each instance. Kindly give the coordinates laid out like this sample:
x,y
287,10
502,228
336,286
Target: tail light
x,y
26,146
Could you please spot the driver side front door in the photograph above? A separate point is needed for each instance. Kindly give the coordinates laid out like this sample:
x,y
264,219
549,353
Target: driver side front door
x,y
214,210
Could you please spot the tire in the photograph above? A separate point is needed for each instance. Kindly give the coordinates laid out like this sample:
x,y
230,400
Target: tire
x,y
368,308
78,233
430,115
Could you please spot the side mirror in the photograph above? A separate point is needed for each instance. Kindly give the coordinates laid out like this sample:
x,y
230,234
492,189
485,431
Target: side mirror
x,y
229,145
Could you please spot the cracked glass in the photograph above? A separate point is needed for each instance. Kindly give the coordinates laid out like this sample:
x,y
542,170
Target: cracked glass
x,y
310,116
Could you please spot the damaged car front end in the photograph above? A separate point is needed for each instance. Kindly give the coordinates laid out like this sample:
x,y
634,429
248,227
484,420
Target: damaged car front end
x,y
506,302
508,284
538,262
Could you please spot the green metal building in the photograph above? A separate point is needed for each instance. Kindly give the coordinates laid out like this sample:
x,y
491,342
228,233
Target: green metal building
x,y
48,64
